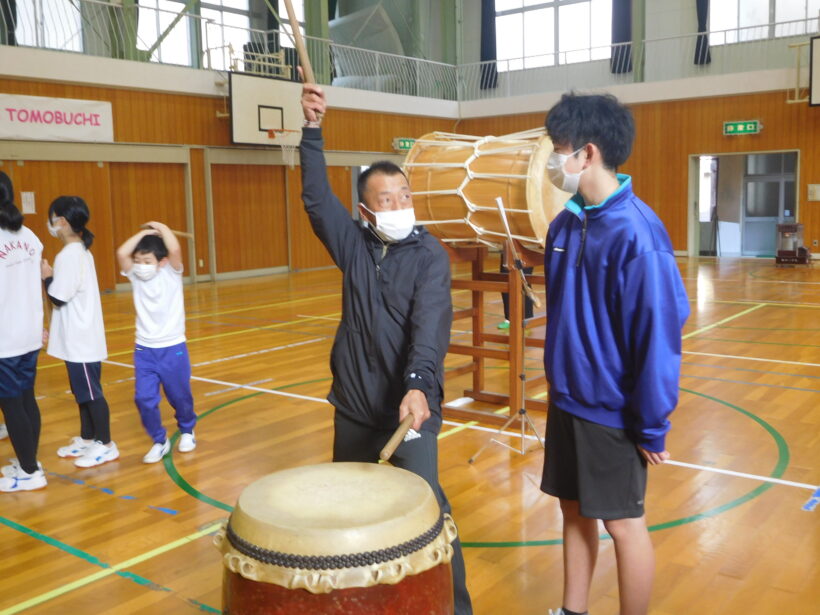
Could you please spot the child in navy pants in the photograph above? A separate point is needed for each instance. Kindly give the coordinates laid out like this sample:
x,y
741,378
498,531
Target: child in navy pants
x,y
152,261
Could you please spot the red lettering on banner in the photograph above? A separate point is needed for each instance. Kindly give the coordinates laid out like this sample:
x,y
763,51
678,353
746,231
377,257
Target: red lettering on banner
x,y
59,117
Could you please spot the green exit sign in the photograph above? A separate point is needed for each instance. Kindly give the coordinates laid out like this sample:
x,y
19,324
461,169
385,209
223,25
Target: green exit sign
x,y
403,144
746,127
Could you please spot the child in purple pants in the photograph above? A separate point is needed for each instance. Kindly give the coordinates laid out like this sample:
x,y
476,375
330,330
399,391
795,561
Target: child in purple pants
x,y
152,261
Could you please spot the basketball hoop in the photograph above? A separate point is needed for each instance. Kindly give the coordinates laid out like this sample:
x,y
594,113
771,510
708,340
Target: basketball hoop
x,y
289,150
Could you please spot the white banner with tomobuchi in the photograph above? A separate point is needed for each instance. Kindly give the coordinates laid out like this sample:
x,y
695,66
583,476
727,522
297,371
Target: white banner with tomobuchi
x,y
40,118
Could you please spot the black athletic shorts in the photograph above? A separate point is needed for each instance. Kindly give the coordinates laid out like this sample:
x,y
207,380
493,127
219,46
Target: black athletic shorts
x,y
17,374
597,465
84,379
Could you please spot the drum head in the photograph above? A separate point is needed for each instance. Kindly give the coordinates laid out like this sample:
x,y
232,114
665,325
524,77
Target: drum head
x,y
335,508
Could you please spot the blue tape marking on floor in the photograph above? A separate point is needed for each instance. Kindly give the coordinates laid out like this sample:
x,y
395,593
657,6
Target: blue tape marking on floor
x,y
77,481
814,500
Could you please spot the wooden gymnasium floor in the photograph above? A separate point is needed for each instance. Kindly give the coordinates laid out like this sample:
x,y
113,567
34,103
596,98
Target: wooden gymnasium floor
x,y
129,538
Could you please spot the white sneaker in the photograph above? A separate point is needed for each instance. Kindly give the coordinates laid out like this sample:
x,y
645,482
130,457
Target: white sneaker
x,y
13,467
157,452
97,454
23,482
75,448
4,433
187,443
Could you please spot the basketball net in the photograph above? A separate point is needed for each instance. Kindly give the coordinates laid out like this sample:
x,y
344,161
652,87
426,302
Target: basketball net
x,y
288,151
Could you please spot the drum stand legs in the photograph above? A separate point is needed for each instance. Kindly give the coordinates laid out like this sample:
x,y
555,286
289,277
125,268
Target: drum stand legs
x,y
524,419
526,422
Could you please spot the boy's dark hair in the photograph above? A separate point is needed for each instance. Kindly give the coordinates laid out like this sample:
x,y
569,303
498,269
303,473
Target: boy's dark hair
x,y
383,167
76,213
10,217
151,244
576,120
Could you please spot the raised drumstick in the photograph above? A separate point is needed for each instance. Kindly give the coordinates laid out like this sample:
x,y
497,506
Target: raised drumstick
x,y
304,59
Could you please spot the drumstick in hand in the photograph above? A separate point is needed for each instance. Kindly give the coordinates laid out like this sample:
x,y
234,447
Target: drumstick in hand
x,y
396,438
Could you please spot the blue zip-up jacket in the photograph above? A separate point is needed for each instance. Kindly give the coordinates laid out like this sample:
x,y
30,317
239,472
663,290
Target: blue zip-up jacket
x,y
615,308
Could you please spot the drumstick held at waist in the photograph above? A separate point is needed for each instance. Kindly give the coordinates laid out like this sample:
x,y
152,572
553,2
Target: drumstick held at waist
x,y
396,438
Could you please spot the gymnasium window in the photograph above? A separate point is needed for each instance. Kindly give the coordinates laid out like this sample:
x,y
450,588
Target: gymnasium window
x,y
229,30
51,24
533,33
734,21
155,17
287,31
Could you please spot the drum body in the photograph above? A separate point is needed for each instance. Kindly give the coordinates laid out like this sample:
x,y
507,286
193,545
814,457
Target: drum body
x,y
337,538
456,180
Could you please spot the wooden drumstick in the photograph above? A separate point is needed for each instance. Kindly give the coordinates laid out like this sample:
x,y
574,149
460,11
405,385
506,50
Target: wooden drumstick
x,y
396,438
518,265
304,59
299,42
177,233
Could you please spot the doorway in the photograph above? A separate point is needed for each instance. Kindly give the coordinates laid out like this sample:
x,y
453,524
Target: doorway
x,y
741,199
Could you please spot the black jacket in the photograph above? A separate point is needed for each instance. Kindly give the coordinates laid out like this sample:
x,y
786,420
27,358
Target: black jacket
x,y
396,306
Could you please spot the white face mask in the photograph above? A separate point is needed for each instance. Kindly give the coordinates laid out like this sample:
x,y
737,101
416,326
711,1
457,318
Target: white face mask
x,y
145,271
395,224
52,230
568,182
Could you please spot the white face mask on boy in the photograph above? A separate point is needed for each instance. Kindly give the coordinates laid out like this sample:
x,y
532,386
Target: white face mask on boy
x,y
145,271
395,224
568,182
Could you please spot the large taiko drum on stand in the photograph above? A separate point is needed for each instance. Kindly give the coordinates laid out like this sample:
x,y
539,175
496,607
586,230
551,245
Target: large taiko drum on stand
x,y
338,538
456,179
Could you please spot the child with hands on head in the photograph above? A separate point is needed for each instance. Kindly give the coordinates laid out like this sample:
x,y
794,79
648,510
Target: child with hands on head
x,y
152,260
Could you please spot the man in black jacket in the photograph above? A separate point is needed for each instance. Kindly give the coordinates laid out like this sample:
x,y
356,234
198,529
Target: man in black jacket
x,y
388,355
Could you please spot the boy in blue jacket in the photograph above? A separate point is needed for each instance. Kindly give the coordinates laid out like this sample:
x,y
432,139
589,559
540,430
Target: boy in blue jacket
x,y
615,309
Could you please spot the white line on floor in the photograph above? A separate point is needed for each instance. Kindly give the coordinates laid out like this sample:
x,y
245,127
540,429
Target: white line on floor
x,y
732,356
765,479
234,388
240,386
256,352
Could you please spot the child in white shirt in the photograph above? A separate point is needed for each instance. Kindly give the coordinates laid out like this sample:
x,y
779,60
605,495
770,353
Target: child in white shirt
x,y
152,261
77,334
21,312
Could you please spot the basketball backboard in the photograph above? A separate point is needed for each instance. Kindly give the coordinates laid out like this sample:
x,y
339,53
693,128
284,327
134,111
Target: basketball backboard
x,y
261,104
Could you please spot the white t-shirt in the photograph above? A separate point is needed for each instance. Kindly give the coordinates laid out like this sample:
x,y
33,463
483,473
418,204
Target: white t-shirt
x,y
77,331
160,307
21,300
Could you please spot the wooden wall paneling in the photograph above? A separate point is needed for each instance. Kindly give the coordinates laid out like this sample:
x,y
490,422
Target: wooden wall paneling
x,y
249,216
156,117
144,117
307,252
363,131
88,180
147,191
197,162
668,133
